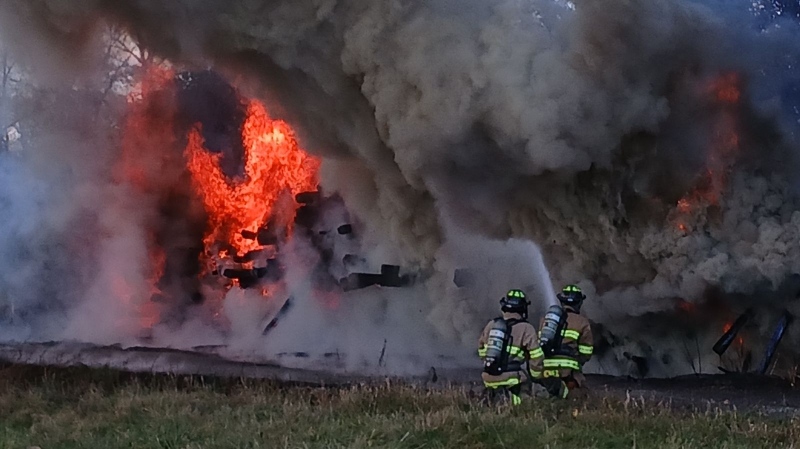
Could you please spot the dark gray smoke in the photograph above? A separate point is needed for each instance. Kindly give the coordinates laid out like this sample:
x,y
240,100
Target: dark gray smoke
x,y
577,129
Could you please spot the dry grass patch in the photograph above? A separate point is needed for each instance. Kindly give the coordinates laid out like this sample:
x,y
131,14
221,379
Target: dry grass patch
x,y
81,408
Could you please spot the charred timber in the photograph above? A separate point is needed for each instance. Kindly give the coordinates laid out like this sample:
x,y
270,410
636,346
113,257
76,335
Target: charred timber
x,y
264,236
278,316
267,237
308,198
729,336
388,277
252,256
249,235
250,277
306,216
463,278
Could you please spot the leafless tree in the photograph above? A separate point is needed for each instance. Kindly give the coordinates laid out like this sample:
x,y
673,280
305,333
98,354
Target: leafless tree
x,y
8,78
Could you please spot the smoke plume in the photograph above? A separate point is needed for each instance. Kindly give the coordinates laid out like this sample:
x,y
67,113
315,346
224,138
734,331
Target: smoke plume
x,y
606,133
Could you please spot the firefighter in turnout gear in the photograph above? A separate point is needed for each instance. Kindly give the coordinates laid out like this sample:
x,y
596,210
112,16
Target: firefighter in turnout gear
x,y
510,350
567,341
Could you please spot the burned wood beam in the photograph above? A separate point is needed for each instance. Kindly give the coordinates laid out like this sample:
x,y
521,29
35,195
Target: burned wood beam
x,y
306,216
463,278
299,355
265,236
729,336
388,277
308,197
772,346
249,235
281,313
355,281
249,277
252,256
390,271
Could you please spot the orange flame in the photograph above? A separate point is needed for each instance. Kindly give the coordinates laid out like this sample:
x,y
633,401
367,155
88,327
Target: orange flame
x,y
686,306
726,88
274,163
274,166
739,340
725,93
146,132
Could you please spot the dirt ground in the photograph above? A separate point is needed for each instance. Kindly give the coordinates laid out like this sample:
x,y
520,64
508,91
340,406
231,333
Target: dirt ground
x,y
725,391
744,392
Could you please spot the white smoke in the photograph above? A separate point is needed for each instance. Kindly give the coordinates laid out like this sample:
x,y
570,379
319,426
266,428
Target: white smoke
x,y
71,239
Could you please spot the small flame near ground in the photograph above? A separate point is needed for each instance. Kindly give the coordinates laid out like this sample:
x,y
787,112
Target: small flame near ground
x,y
739,340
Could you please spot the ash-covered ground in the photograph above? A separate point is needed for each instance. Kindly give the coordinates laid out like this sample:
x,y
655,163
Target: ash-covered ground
x,y
772,396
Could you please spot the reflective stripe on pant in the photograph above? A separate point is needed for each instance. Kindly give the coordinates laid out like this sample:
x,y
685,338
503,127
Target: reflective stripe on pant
x,y
562,364
512,386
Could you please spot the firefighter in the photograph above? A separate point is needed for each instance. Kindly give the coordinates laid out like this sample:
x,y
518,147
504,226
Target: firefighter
x,y
567,341
510,350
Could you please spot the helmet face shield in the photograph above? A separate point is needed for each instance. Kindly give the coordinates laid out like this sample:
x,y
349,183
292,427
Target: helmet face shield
x,y
515,301
571,295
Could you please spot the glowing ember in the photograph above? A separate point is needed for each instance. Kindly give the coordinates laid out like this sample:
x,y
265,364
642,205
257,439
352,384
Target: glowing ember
x,y
684,205
739,340
726,88
686,306
329,299
274,164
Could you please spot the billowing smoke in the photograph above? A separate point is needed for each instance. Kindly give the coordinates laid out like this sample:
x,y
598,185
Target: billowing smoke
x,y
643,145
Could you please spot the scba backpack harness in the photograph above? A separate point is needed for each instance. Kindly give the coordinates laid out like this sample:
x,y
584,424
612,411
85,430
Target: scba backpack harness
x,y
497,348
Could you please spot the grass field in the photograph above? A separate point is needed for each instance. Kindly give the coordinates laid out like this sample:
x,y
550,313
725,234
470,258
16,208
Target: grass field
x,y
82,408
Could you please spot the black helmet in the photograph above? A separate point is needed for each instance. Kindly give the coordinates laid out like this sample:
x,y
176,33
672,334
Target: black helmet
x,y
572,296
515,302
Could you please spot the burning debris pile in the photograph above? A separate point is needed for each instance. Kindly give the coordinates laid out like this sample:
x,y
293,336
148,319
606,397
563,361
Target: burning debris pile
x,y
251,214
237,193
226,202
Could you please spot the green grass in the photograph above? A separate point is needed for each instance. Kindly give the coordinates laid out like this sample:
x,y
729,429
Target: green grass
x,y
82,408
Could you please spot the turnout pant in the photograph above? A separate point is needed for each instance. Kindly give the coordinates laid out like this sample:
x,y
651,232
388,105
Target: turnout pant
x,y
509,389
560,387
